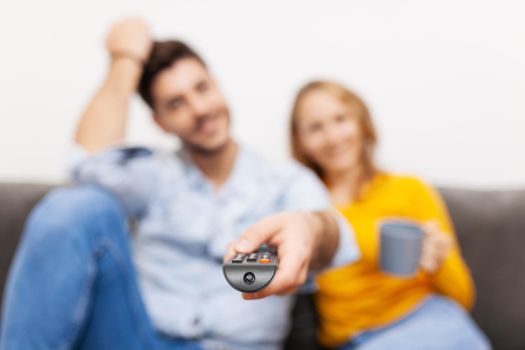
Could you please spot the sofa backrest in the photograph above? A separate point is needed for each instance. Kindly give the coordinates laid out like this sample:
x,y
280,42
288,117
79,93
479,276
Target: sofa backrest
x,y
491,230
16,201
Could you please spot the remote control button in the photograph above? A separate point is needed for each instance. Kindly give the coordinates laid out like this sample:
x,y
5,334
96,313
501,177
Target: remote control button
x,y
264,261
238,258
252,257
249,278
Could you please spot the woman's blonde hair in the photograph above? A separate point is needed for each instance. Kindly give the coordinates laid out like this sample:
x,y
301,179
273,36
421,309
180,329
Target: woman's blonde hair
x,y
356,106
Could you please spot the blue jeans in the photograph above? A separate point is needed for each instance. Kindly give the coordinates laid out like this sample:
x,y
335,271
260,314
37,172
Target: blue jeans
x,y
72,284
438,323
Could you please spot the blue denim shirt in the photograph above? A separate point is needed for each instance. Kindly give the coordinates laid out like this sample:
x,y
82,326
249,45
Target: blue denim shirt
x,y
183,230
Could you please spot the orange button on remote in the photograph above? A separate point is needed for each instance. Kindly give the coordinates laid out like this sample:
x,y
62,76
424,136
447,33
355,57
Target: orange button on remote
x,y
264,261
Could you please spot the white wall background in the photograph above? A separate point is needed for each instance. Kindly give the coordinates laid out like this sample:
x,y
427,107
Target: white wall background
x,y
445,80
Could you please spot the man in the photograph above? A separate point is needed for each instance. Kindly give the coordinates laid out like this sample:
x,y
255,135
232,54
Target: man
x,y
75,282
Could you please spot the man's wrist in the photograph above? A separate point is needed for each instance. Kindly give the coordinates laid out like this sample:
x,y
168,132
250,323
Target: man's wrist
x,y
316,223
124,75
127,55
326,238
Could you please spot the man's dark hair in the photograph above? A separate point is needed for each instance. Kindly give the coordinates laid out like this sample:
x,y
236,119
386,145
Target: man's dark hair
x,y
163,55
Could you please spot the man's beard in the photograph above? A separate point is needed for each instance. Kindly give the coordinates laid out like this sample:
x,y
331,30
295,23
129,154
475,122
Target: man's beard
x,y
210,152
207,152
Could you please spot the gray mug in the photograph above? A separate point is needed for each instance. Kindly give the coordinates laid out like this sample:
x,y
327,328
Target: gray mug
x,y
400,247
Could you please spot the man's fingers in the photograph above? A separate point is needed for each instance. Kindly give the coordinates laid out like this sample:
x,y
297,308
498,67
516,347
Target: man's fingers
x,y
258,234
276,287
264,293
290,275
230,252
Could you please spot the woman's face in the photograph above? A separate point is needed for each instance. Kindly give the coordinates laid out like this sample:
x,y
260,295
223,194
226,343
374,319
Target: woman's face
x,y
329,133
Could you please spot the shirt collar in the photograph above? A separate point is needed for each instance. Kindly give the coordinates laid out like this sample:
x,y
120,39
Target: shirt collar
x,y
241,182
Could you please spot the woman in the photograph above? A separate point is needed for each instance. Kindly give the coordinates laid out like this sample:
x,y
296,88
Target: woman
x,y
361,307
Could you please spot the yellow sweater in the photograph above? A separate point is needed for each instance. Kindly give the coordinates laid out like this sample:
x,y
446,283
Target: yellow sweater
x,y
359,296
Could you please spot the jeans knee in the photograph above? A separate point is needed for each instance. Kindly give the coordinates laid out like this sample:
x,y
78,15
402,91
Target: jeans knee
x,y
73,210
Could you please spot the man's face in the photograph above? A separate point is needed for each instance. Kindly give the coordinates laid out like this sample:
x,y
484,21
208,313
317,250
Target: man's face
x,y
188,103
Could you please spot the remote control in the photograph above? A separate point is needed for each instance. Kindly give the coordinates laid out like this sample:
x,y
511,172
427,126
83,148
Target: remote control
x,y
252,272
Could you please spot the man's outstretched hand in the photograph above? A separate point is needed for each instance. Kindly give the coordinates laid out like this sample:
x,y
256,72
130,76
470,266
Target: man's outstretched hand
x,y
303,240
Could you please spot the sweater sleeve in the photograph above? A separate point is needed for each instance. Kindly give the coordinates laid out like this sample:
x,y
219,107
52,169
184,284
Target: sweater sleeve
x,y
453,278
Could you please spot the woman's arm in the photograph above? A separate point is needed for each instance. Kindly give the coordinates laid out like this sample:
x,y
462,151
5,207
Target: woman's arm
x,y
450,275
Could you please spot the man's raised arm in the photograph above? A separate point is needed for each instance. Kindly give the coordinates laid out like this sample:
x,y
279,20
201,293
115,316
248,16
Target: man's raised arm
x,y
103,122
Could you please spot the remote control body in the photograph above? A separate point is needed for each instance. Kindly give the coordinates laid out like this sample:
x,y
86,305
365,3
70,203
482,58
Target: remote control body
x,y
251,272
